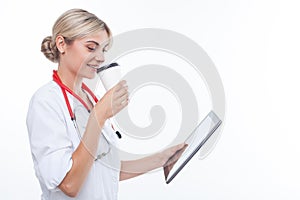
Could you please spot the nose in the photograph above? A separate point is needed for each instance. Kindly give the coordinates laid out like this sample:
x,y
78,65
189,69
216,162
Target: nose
x,y
100,57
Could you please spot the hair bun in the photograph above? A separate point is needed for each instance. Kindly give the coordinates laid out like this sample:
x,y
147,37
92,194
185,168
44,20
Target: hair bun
x,y
49,50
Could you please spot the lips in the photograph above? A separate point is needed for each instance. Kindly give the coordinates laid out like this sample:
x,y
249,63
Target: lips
x,y
93,66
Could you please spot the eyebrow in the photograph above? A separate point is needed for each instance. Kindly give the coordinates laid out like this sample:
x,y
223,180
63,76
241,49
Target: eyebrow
x,y
96,43
92,41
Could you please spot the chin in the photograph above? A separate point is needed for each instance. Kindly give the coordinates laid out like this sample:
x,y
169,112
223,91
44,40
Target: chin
x,y
90,75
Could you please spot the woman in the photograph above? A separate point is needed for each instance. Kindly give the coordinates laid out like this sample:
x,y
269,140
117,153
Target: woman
x,y
71,160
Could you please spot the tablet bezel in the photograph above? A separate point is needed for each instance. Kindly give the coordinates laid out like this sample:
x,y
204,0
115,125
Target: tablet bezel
x,y
217,122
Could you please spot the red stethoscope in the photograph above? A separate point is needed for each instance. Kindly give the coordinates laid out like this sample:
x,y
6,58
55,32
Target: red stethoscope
x,y
65,89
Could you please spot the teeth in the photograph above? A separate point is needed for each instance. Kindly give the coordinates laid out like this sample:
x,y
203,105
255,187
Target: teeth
x,y
93,66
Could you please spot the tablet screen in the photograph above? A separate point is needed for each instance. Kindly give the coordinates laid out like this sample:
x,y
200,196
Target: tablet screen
x,y
194,142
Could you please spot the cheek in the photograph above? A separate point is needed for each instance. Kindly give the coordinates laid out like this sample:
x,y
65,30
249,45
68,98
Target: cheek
x,y
78,58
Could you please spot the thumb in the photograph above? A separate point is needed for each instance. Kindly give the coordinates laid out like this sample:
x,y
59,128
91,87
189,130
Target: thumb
x,y
178,147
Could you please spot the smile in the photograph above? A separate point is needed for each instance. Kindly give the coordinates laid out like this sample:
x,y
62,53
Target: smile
x,y
94,66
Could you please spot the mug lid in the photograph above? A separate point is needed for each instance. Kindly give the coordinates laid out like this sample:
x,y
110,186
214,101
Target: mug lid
x,y
114,64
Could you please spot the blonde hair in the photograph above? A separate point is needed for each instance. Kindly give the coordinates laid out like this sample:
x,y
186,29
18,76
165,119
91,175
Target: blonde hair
x,y
73,24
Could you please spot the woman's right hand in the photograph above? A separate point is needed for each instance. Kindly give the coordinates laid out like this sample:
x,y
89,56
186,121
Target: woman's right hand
x,y
113,101
83,157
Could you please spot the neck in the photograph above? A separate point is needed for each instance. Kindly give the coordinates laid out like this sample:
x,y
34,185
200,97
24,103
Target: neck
x,y
70,79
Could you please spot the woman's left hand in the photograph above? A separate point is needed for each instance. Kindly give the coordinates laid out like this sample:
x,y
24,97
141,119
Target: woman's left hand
x,y
133,168
166,154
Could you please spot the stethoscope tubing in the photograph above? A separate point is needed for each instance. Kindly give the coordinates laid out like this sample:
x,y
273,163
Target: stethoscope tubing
x,y
64,88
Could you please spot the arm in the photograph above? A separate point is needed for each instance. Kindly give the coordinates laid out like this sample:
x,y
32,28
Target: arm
x,y
82,157
133,168
112,102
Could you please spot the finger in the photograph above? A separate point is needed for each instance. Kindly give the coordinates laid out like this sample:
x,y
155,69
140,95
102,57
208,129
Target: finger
x,y
120,106
122,100
177,155
122,92
123,97
180,149
116,88
124,104
120,85
178,146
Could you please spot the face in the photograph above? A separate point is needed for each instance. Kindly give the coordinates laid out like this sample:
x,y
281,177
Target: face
x,y
85,55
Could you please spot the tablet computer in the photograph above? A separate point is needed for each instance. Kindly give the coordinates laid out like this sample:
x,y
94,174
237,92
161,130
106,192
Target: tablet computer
x,y
194,142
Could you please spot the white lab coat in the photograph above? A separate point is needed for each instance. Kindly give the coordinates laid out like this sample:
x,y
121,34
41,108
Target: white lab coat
x,y
53,139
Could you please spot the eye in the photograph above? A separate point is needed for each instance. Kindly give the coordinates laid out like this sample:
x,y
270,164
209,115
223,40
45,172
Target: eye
x,y
91,48
105,48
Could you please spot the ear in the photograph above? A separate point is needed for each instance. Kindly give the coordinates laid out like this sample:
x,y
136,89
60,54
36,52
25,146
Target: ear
x,y
60,44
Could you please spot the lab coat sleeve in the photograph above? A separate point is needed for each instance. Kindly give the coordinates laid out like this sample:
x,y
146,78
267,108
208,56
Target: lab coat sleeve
x,y
51,147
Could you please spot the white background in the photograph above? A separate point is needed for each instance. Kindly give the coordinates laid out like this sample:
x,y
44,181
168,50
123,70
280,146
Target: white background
x,y
255,47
